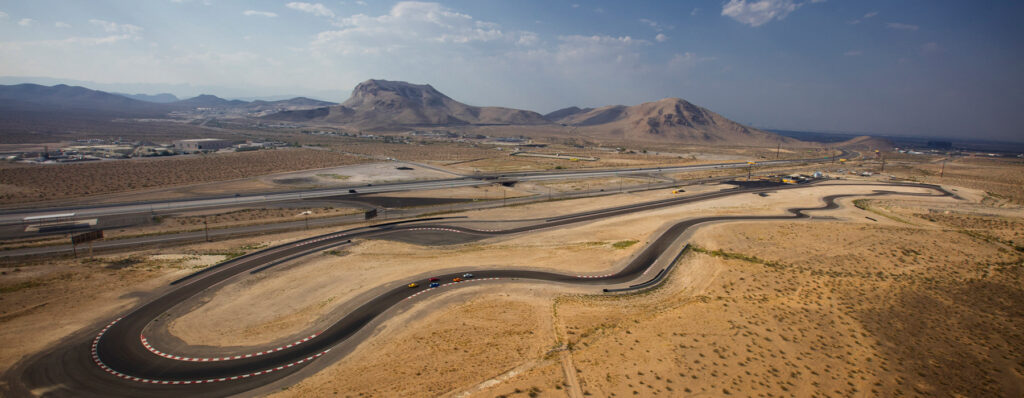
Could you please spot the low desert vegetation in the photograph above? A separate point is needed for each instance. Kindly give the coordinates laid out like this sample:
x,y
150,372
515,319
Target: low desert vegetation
x,y
31,183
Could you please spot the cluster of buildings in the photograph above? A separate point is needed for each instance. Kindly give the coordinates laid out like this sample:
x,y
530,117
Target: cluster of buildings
x,y
98,149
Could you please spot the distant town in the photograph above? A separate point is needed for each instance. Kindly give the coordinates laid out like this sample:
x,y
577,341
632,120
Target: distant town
x,y
102,149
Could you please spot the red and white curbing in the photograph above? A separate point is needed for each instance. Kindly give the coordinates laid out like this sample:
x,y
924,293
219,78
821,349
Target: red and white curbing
x,y
449,284
594,276
99,362
145,343
436,229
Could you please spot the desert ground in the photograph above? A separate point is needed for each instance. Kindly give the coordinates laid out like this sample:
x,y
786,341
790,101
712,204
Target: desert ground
x,y
325,162
894,295
20,183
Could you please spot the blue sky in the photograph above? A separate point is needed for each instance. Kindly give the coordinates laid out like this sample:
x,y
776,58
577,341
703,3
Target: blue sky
x,y
934,67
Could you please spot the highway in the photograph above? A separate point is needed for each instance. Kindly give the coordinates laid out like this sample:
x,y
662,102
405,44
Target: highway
x,y
83,212
118,360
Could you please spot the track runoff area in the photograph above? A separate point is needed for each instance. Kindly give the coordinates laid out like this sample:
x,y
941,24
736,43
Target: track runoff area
x,y
119,360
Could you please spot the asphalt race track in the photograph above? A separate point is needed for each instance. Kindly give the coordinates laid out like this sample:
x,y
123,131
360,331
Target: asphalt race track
x,y
117,360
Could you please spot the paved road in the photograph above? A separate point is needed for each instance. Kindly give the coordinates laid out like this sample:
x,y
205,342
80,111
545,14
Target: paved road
x,y
16,216
119,361
232,232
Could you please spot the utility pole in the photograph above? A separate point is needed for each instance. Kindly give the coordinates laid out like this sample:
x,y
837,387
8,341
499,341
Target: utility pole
x,y
883,163
206,227
777,150
942,171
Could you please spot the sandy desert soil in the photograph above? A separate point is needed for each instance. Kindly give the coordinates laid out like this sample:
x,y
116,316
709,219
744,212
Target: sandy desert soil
x,y
863,307
846,307
1002,179
375,173
20,183
859,309
226,218
42,301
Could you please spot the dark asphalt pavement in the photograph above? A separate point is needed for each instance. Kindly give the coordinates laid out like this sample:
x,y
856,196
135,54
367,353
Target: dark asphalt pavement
x,y
115,362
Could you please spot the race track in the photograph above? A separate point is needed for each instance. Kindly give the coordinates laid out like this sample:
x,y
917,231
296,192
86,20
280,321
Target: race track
x,y
117,359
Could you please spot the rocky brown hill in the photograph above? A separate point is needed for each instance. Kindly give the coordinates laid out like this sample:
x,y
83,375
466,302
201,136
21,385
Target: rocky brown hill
x,y
668,120
384,103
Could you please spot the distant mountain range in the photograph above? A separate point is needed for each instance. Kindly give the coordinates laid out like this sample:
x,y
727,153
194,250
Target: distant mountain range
x,y
162,98
383,104
37,98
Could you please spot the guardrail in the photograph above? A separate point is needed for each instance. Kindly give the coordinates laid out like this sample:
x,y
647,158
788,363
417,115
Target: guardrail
x,y
660,277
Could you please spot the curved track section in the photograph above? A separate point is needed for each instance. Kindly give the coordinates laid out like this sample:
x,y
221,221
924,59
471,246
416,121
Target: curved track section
x,y
119,361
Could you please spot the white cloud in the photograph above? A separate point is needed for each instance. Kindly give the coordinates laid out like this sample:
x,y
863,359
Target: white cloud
x,y
902,26
254,13
656,25
575,6
3,15
661,38
414,26
313,8
26,22
866,16
695,12
853,53
113,27
360,2
62,25
759,12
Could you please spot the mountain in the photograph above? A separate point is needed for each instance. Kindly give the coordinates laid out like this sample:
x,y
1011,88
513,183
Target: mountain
x,y
208,101
866,142
669,119
383,103
33,97
565,112
161,98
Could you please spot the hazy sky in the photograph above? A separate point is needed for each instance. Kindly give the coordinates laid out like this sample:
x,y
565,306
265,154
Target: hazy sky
x,y
930,67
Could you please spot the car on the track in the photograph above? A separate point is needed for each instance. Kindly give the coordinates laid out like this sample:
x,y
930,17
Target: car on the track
x,y
414,284
351,191
435,279
457,280
434,284
467,275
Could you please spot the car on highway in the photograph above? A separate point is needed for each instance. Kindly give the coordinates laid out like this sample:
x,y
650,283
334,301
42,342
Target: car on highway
x,y
414,284
435,279
434,284
351,191
467,275
457,280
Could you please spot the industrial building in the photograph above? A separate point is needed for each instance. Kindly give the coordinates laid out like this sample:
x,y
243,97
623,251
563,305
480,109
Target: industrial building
x,y
202,144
